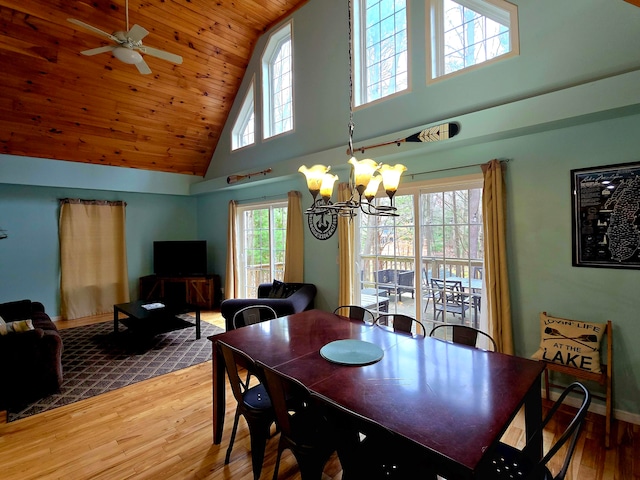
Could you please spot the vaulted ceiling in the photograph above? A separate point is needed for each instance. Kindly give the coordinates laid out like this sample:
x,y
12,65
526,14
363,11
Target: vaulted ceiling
x,y
56,103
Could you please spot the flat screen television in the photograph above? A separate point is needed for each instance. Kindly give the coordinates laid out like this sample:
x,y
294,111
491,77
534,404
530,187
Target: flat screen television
x,y
180,258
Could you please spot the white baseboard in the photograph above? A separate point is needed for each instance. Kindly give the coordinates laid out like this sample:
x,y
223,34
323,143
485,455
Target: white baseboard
x,y
599,408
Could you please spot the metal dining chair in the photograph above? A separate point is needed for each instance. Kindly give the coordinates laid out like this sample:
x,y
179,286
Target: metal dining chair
x,y
368,450
356,312
463,335
304,428
253,314
401,324
253,403
509,462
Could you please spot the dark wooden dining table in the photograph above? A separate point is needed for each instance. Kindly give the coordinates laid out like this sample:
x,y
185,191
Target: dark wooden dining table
x,y
451,402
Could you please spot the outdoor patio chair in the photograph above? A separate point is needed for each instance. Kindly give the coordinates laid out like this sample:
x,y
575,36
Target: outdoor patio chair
x,y
448,297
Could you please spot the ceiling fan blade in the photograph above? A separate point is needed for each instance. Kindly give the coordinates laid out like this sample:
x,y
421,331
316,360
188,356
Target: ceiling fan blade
x,y
137,33
143,67
93,29
96,51
154,52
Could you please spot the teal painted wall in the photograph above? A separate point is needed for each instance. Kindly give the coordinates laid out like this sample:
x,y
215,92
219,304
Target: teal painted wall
x,y
29,257
577,45
539,236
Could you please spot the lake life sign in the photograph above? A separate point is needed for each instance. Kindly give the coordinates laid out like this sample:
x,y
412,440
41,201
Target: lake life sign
x,y
570,342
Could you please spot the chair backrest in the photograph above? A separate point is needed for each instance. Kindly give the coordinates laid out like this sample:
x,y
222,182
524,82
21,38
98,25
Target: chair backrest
x,y
233,359
449,291
463,335
572,432
356,312
476,272
401,324
253,314
289,398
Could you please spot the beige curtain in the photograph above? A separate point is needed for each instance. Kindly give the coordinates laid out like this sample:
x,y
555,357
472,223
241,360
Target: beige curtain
x,y
93,257
294,253
231,279
346,235
494,208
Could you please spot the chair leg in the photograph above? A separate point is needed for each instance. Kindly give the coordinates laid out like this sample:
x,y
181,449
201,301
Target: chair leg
x,y
608,414
311,466
277,467
546,383
259,433
233,437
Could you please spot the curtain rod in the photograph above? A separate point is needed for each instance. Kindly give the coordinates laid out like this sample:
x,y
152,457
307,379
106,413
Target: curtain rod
x,y
265,197
454,168
79,201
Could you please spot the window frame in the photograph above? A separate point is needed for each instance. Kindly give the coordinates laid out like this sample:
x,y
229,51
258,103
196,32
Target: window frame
x,y
494,9
359,67
245,116
270,53
241,244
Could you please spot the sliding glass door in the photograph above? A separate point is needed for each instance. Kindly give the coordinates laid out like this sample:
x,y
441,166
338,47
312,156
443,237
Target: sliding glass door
x,y
428,261
262,232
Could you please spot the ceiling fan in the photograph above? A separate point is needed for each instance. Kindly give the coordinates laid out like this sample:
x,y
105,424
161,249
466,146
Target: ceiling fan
x,y
127,45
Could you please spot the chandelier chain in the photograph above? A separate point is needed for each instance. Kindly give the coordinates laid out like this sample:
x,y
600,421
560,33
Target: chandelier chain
x,y
319,181
350,50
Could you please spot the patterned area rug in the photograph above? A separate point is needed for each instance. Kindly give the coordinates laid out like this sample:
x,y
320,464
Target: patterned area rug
x,y
95,360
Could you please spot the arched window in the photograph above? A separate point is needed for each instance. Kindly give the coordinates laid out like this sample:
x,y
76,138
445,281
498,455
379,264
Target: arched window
x,y
277,86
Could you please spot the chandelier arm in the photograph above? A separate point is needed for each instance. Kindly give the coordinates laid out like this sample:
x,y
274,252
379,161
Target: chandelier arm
x,y
379,210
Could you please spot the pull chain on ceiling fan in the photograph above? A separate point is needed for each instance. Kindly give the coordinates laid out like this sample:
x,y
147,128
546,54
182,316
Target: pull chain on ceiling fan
x,y
127,45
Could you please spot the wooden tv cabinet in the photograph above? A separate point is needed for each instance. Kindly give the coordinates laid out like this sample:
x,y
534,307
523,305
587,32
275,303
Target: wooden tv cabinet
x,y
203,291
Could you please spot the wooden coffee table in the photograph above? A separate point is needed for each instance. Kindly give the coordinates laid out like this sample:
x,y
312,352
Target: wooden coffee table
x,y
153,321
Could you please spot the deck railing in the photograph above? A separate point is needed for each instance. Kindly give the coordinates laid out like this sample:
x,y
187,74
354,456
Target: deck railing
x,y
437,267
261,273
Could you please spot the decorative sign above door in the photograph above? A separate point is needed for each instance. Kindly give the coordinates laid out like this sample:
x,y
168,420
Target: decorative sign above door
x,y
323,225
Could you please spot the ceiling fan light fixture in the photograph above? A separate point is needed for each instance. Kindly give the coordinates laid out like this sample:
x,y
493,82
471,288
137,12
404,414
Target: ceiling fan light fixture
x,y
127,55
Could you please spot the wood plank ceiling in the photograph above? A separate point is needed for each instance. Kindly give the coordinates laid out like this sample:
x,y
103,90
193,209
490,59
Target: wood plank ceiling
x,y
56,103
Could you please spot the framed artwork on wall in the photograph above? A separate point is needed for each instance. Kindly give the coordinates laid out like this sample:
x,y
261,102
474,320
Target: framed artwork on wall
x,y
606,216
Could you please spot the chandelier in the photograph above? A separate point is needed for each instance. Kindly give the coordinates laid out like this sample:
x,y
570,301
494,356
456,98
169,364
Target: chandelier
x,y
364,179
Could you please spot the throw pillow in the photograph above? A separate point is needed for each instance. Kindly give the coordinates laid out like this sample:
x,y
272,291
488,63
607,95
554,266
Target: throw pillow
x,y
570,342
290,289
15,327
277,290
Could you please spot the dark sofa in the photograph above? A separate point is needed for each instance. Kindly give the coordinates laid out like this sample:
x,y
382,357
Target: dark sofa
x,y
31,360
301,299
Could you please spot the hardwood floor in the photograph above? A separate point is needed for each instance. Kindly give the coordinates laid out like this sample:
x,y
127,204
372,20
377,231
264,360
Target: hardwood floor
x,y
161,429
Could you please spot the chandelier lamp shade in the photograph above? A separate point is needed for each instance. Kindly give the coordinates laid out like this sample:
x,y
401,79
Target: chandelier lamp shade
x,y
365,179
